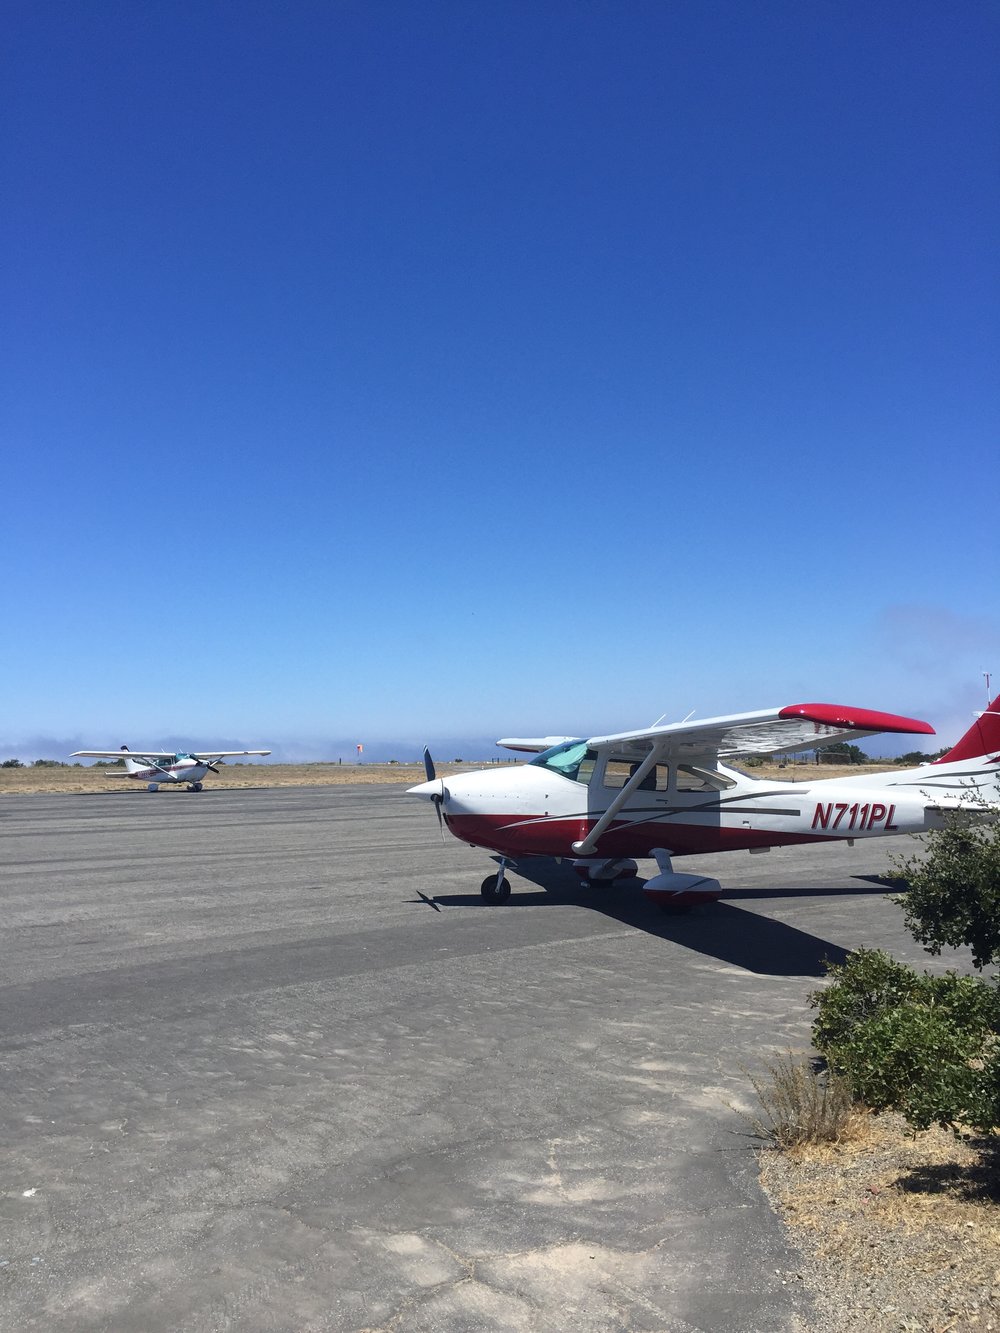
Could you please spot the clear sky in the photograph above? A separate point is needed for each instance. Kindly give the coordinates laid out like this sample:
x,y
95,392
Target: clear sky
x,y
380,371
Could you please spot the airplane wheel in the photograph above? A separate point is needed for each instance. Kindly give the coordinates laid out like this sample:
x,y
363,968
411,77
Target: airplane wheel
x,y
493,891
152,787
196,786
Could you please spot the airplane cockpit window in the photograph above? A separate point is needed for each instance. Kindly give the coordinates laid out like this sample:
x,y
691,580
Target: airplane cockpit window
x,y
570,760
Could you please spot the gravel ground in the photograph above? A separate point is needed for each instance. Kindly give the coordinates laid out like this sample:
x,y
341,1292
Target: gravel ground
x,y
896,1231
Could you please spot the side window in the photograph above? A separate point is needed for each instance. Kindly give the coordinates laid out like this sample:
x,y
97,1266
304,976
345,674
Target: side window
x,y
618,771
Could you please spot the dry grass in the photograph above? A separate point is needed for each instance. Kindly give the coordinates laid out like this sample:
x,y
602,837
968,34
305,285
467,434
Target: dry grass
x,y
801,1104
792,772
32,781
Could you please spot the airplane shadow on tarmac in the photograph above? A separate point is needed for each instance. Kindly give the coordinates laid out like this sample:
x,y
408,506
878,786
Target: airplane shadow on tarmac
x,y
719,930
174,788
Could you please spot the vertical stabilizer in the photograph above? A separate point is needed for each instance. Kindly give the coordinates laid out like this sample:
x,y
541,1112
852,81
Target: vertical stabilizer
x,y
131,765
981,740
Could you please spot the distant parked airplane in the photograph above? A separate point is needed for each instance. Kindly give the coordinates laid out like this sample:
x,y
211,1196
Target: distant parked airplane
x,y
157,766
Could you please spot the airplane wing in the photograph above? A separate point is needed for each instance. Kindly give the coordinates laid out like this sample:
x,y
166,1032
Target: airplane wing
x,y
533,744
152,755
221,754
768,731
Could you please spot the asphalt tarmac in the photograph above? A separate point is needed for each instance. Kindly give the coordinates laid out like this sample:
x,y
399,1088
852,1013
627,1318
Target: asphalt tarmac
x,y
269,1063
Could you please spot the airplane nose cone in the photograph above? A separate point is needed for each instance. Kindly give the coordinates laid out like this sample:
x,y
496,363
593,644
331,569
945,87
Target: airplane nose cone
x,y
428,790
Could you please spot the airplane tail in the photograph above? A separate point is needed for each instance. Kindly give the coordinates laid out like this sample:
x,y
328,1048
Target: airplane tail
x,y
981,741
131,765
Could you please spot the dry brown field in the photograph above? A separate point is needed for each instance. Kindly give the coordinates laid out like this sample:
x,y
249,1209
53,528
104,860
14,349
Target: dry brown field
x,y
32,781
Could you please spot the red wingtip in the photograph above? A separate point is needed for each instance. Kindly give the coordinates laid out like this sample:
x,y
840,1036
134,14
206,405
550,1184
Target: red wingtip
x,y
858,719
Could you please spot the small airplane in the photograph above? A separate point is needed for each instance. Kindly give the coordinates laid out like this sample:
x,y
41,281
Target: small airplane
x,y
602,801
158,766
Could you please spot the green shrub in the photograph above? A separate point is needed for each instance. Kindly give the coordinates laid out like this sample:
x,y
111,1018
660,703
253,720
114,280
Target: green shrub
x,y
923,1045
866,985
916,1061
841,753
927,1046
954,891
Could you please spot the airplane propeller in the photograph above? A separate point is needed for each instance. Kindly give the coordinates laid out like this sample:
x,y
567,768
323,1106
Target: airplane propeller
x,y
208,764
438,797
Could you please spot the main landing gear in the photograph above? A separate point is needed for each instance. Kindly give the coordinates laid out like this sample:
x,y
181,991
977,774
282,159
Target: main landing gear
x,y
672,892
605,870
675,893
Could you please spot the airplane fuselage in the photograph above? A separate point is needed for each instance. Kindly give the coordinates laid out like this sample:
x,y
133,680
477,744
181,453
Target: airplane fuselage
x,y
184,770
663,792
529,810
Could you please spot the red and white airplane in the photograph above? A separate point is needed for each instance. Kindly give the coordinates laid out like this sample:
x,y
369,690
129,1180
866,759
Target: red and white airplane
x,y
158,766
667,791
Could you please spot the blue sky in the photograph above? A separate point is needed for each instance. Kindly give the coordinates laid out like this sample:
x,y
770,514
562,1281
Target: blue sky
x,y
396,372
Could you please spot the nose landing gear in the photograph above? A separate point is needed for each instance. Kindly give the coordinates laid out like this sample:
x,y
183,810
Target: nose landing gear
x,y
495,888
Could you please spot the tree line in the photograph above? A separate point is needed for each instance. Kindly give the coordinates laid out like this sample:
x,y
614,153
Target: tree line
x,y
38,763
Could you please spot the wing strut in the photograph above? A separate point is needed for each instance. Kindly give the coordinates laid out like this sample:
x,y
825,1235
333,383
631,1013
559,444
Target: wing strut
x,y
589,844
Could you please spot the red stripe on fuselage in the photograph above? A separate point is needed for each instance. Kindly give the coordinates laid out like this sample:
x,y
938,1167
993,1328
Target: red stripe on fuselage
x,y
541,836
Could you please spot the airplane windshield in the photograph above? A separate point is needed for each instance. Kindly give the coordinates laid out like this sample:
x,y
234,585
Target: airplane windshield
x,y
570,760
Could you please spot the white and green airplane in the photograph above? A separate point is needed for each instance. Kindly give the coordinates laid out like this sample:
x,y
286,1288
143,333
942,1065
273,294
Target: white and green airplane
x,y
155,767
